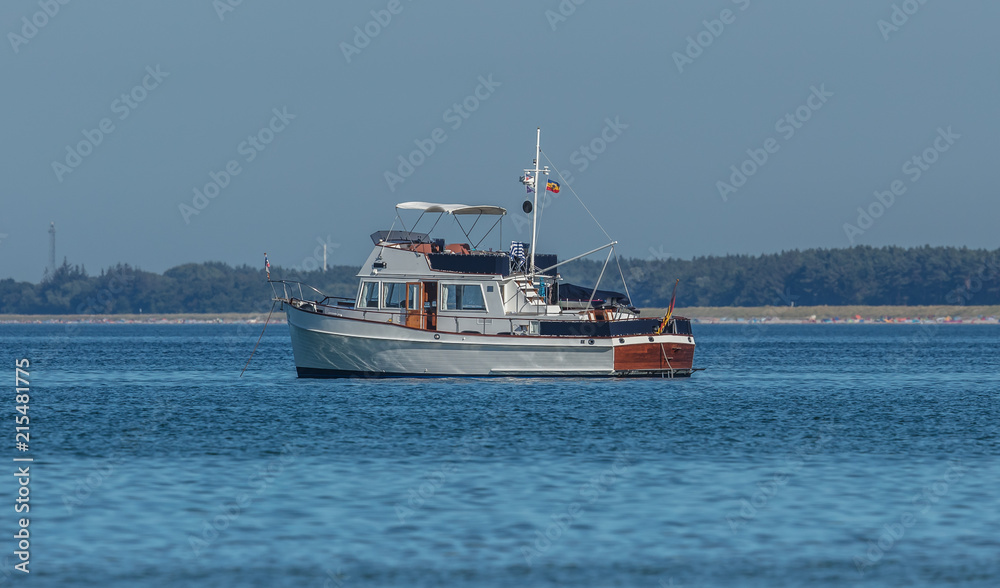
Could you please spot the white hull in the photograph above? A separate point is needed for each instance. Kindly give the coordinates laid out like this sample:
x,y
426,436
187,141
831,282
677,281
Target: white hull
x,y
329,346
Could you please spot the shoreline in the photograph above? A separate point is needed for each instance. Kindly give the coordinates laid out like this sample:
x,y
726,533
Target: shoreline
x,y
975,315
839,314
229,318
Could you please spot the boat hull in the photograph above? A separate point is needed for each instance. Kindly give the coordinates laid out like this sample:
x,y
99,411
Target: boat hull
x,y
335,347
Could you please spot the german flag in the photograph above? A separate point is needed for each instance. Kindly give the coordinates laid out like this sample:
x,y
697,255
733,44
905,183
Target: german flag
x,y
670,309
552,187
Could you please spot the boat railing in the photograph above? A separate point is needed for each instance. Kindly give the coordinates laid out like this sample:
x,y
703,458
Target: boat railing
x,y
288,287
515,326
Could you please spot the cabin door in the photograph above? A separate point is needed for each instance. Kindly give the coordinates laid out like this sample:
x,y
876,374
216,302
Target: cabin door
x,y
414,305
430,305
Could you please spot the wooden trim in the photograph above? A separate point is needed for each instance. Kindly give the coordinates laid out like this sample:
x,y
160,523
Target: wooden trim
x,y
654,356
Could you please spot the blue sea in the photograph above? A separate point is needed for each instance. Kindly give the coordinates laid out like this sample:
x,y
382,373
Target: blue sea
x,y
818,455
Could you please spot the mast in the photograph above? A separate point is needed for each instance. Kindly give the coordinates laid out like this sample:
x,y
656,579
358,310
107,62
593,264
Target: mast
x,y
534,208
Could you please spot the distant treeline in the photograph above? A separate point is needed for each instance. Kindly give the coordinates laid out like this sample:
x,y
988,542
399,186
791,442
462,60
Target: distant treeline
x,y
855,276
867,276
191,288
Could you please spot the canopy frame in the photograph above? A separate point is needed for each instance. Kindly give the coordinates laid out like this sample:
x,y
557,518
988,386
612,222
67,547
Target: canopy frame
x,y
456,210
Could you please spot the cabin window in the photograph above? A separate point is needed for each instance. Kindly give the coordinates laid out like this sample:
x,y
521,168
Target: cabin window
x,y
463,297
369,295
395,295
415,302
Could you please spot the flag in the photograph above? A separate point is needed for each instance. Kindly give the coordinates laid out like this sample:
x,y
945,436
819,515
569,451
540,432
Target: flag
x,y
528,182
673,300
670,309
267,266
552,187
517,254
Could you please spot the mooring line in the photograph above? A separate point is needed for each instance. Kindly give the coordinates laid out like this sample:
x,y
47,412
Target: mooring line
x,y
259,338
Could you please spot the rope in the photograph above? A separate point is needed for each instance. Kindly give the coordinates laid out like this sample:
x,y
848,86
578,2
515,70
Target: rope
x,y
622,274
556,169
577,196
669,367
259,338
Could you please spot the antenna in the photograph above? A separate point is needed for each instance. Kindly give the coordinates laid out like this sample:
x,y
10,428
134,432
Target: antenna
x,y
52,248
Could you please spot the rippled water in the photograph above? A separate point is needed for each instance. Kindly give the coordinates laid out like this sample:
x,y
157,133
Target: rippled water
x,y
819,455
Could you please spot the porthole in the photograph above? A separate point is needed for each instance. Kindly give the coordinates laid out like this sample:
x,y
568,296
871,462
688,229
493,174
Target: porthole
x,y
591,341
436,336
620,340
650,339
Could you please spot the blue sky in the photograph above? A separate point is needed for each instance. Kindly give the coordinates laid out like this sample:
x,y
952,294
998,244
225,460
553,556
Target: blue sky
x,y
116,112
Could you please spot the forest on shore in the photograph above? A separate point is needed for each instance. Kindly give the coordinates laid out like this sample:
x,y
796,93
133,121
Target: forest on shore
x,y
835,277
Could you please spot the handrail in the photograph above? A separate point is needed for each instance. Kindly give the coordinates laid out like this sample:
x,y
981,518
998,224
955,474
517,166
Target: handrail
x,y
403,311
285,283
